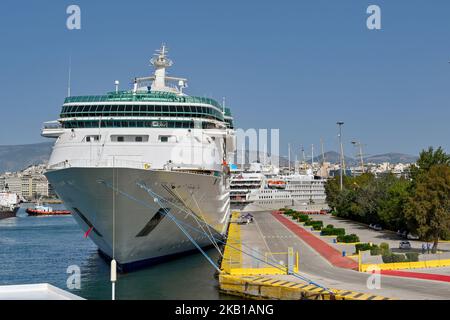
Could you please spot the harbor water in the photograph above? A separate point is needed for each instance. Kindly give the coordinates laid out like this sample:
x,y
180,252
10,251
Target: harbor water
x,y
40,250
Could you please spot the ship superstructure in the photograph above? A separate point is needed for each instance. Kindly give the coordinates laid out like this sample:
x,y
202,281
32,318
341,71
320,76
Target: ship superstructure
x,y
303,191
245,181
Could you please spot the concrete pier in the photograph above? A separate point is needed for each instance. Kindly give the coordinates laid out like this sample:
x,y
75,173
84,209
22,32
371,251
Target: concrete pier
x,y
257,267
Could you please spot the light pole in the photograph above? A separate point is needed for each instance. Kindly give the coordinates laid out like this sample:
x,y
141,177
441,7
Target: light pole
x,y
359,145
340,124
289,157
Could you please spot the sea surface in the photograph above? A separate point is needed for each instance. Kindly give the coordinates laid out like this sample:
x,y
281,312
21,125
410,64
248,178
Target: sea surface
x,y
40,250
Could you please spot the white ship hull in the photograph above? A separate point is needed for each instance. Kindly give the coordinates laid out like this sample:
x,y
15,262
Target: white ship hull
x,y
144,233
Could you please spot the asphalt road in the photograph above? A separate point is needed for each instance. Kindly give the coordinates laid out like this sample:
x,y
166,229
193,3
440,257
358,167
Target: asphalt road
x,y
268,235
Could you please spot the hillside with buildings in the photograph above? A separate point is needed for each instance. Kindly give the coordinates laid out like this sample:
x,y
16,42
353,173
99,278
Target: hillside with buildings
x,y
29,184
18,157
22,167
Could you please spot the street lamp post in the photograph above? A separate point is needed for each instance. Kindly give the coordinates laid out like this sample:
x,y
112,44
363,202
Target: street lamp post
x,y
340,124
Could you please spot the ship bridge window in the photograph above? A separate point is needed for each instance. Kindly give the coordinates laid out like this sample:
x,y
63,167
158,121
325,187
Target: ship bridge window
x,y
129,138
94,138
167,139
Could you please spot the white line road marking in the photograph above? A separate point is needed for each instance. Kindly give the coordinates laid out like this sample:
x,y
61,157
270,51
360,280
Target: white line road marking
x,y
261,234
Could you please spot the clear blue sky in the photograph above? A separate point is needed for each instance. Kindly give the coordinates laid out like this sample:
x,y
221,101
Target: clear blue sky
x,y
295,65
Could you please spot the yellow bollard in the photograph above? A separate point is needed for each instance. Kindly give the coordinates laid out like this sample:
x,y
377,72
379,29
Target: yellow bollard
x,y
359,260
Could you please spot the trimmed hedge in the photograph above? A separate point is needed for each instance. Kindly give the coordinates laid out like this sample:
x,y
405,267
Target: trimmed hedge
x,y
316,225
387,255
289,212
384,246
333,232
330,226
412,256
374,249
350,238
393,257
300,217
313,223
303,218
362,247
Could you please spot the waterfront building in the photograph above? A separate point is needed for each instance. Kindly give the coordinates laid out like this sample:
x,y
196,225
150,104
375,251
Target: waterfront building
x,y
29,184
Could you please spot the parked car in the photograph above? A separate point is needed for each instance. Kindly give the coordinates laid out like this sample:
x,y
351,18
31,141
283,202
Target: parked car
x,y
243,221
376,227
404,245
411,236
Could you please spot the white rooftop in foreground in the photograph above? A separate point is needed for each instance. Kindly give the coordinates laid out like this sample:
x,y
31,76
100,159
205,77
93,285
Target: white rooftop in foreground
x,y
42,291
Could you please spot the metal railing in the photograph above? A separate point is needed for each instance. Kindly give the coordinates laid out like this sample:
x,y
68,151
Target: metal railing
x,y
104,163
143,96
132,164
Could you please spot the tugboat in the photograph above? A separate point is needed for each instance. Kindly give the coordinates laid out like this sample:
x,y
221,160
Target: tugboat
x,y
39,210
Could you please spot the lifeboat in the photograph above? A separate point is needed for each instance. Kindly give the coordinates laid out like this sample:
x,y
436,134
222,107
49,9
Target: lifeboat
x,y
277,184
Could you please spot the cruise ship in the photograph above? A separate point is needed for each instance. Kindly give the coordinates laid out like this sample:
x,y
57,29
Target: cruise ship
x,y
140,168
244,181
302,191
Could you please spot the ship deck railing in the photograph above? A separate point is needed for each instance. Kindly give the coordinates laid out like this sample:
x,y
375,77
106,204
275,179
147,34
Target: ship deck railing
x,y
121,163
146,96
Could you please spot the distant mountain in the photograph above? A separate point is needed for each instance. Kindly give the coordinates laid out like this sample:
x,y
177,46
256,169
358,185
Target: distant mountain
x,y
330,156
334,157
392,158
15,158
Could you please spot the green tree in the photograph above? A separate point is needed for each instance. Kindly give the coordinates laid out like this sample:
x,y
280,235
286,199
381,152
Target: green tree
x,y
332,192
427,159
367,190
428,208
391,205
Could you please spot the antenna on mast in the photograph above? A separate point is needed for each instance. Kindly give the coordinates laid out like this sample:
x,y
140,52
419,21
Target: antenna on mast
x,y
70,75
289,157
303,155
323,154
